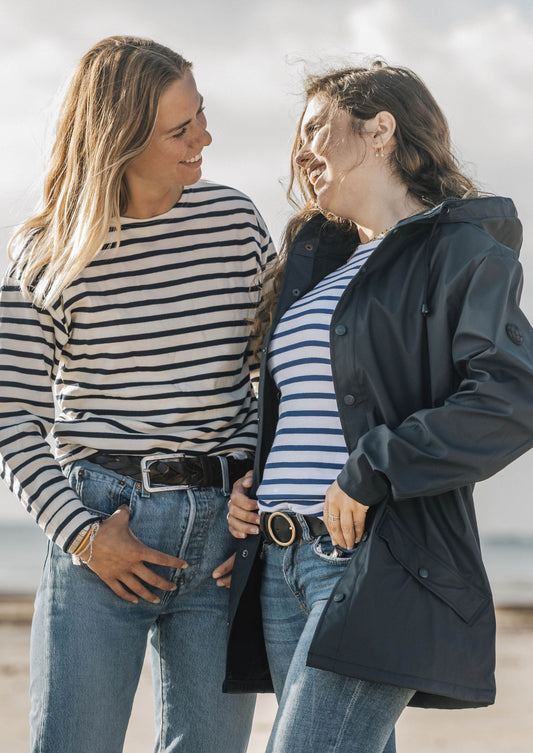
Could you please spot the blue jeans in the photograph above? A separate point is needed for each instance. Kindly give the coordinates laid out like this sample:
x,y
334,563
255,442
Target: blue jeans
x,y
88,645
318,710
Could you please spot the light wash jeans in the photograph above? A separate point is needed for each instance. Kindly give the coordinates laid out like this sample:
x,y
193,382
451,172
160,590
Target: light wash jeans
x,y
319,711
88,645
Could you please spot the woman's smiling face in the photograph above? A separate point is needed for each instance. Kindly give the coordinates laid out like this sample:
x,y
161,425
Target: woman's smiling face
x,y
173,158
338,161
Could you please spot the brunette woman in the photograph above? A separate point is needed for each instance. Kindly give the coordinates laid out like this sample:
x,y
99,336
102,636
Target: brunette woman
x,y
397,372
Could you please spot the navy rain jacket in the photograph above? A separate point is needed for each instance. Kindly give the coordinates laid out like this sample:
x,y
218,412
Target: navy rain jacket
x,y
432,364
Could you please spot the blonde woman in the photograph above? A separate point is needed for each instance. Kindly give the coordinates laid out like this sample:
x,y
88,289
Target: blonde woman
x,y
128,302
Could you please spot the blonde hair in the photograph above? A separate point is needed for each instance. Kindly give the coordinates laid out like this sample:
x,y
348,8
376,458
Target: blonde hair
x,y
106,120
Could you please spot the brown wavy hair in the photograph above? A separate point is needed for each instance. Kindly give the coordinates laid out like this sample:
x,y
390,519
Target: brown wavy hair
x,y
107,119
422,158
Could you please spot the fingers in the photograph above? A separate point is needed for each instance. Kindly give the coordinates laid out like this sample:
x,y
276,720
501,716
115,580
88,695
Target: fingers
x,y
242,485
246,505
147,554
240,529
346,529
222,573
225,568
139,589
242,521
119,558
119,590
243,518
344,517
333,526
346,524
153,579
359,522
134,585
226,581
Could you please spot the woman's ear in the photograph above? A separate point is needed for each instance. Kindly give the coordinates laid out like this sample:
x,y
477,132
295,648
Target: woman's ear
x,y
382,128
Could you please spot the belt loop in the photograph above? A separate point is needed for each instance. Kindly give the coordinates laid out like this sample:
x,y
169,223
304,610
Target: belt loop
x,y
225,474
306,533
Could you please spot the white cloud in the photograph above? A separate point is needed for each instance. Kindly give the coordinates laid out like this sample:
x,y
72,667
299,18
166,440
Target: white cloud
x,y
479,66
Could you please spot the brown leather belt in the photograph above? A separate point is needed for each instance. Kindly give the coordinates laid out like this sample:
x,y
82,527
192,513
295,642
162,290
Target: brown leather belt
x,y
283,528
172,471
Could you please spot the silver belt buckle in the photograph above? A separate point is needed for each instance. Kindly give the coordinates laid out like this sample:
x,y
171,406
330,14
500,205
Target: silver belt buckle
x,y
147,461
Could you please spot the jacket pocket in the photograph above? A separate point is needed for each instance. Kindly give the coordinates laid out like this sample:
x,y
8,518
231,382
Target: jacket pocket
x,y
442,579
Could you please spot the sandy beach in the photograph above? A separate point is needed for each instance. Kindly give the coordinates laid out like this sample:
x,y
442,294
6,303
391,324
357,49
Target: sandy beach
x,y
506,727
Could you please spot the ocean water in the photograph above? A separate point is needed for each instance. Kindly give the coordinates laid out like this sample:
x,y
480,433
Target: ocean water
x,y
508,559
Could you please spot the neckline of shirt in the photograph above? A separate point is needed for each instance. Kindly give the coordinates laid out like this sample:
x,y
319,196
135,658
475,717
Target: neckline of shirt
x,y
156,217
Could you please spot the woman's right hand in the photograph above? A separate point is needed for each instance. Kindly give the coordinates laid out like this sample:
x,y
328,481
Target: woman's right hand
x,y
118,558
243,517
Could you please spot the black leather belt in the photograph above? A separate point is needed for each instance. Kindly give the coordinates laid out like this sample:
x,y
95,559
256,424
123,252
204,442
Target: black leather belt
x,y
283,528
175,470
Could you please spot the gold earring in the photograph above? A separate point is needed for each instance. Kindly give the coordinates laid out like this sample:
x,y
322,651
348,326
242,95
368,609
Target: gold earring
x,y
379,151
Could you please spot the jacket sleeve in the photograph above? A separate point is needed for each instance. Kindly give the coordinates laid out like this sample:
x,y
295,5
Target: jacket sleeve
x,y
30,344
480,428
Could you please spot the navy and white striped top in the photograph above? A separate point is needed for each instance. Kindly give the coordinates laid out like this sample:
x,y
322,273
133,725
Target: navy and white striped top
x,y
309,449
146,351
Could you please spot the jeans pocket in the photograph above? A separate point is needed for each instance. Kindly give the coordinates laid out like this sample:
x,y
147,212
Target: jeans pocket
x,y
336,555
99,492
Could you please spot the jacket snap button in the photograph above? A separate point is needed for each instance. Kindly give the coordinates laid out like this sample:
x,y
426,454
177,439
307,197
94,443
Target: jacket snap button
x,y
340,329
244,553
423,572
339,597
514,334
296,291
349,399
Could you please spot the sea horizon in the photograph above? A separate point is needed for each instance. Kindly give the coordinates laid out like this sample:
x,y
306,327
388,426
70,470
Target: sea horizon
x,y
508,560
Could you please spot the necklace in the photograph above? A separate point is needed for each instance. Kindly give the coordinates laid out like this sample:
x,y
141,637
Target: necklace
x,y
383,233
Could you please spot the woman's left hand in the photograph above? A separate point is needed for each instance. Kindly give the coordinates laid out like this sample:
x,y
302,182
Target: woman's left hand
x,y
344,517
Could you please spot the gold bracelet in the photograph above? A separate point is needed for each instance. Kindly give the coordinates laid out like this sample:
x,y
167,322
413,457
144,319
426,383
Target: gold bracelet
x,y
86,533
94,530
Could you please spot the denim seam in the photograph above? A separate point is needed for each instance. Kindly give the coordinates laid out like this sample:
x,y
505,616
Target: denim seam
x,y
161,688
190,523
45,711
342,727
300,594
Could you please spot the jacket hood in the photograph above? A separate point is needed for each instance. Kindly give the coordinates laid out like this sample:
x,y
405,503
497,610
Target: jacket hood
x,y
496,215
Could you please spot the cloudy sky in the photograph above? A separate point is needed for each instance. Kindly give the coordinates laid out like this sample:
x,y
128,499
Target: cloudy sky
x,y
249,60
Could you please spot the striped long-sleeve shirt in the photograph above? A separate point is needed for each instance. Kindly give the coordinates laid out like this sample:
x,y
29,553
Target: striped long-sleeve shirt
x,y
309,449
146,351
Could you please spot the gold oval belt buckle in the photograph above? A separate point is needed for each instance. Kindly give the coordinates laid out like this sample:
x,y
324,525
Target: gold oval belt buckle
x,y
292,528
